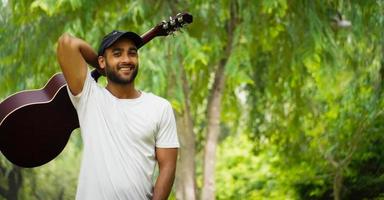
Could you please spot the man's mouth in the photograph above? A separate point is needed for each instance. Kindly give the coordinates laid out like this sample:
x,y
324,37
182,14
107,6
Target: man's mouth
x,y
126,68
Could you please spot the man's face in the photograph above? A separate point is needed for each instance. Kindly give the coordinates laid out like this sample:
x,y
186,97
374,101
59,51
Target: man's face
x,y
121,62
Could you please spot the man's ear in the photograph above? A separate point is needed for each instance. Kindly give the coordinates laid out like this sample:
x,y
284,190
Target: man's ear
x,y
101,61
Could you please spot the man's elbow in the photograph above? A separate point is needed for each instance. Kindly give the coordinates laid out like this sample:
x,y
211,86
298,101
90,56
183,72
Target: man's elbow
x,y
64,42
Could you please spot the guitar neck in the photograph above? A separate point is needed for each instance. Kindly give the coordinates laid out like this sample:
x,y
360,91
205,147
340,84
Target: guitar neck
x,y
149,35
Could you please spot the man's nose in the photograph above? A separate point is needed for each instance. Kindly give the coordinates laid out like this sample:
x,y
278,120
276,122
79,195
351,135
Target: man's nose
x,y
126,58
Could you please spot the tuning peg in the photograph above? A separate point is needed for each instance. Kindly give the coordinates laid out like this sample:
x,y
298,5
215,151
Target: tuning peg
x,y
170,33
179,18
172,21
165,25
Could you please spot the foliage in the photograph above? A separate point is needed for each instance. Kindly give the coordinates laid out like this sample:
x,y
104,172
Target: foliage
x,y
244,175
303,99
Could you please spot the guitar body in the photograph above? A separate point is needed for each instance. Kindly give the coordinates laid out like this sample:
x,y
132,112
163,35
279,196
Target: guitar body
x,y
35,125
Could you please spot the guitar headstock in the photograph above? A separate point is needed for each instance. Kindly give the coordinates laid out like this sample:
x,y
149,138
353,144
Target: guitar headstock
x,y
165,28
174,24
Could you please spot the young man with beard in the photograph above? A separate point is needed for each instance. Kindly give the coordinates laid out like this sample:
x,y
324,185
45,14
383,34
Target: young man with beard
x,y
125,131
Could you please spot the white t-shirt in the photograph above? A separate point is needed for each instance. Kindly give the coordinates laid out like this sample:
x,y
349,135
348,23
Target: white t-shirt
x,y
120,136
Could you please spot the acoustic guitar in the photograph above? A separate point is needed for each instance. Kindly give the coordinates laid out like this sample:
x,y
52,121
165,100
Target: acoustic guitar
x,y
35,125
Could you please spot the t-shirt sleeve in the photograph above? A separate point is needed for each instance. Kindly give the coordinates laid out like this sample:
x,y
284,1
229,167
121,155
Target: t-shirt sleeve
x,y
167,135
84,94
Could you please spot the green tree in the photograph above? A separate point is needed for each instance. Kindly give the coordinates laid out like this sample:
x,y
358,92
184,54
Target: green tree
x,y
280,99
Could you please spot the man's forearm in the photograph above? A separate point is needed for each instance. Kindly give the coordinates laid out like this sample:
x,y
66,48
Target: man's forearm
x,y
164,183
89,54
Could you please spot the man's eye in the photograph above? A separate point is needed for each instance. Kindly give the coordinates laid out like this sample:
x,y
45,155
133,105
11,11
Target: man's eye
x,y
133,53
116,53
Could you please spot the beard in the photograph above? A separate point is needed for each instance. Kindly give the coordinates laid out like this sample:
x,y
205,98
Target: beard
x,y
113,75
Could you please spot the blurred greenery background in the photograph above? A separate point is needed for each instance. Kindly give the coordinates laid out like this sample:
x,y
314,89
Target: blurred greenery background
x,y
274,99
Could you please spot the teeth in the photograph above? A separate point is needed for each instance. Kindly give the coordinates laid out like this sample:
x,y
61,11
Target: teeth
x,y
131,68
125,68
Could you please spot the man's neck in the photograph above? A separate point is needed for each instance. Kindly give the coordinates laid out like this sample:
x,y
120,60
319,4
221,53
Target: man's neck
x,y
127,91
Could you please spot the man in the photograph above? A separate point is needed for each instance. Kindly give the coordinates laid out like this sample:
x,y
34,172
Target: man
x,y
124,130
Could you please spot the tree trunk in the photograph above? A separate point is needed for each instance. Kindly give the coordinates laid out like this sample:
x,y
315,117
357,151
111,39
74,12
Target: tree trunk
x,y
185,173
337,183
214,112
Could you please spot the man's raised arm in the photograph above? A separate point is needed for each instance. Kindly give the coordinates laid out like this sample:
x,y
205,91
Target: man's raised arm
x,y
73,55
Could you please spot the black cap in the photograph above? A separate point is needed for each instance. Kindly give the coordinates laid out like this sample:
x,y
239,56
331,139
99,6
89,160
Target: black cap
x,y
113,36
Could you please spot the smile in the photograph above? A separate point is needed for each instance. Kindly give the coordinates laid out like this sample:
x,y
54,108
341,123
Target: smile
x,y
126,69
